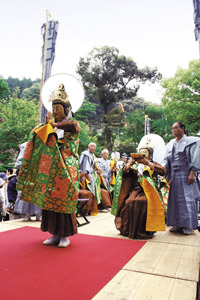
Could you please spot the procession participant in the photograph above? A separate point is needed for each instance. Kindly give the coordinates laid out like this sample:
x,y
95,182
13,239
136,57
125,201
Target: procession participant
x,y
182,161
90,179
115,156
49,175
2,199
123,161
22,208
105,178
137,204
5,196
105,167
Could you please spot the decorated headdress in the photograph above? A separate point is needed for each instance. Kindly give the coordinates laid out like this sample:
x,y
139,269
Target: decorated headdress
x,y
148,145
155,146
53,92
59,96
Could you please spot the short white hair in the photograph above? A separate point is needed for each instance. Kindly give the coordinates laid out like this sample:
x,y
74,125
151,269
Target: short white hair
x,y
90,144
104,151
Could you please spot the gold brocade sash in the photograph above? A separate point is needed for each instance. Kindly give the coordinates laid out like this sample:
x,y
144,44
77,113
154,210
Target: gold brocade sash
x,y
44,131
113,179
84,184
155,213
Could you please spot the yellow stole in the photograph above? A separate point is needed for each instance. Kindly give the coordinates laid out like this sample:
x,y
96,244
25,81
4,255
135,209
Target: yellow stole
x,y
155,213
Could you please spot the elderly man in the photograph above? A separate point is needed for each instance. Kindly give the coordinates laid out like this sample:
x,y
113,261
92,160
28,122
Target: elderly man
x,y
105,167
88,166
182,161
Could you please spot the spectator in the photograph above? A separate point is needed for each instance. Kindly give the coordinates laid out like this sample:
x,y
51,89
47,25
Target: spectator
x,y
2,199
10,173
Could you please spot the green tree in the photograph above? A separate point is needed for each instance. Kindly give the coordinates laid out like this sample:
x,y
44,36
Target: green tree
x,y
130,105
32,92
87,136
131,134
111,77
111,124
20,117
181,99
21,85
4,90
87,111
160,123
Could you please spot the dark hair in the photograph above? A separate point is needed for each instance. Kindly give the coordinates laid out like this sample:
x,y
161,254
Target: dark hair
x,y
182,125
65,106
10,170
186,132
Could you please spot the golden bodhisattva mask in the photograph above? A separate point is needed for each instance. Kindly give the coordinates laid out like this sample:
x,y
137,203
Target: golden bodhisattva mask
x,y
60,103
145,152
58,112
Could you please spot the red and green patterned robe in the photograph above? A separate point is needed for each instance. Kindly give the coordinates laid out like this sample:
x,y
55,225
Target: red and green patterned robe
x,y
49,175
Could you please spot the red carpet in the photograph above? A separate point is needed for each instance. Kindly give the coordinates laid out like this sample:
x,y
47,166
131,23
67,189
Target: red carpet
x,y
30,270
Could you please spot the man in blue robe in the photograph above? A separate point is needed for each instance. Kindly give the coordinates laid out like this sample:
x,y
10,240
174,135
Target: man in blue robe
x,y
182,161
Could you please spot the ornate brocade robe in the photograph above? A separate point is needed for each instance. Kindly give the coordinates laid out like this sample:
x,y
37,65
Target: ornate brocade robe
x,y
49,176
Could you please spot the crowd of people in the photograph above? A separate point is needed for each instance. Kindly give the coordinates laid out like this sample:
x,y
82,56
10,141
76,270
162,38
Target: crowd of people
x,y
11,207
141,193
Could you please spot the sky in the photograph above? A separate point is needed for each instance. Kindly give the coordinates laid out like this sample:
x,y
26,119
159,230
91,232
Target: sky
x,y
154,33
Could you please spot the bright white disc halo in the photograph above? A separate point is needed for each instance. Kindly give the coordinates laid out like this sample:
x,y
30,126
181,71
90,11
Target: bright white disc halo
x,y
73,87
159,146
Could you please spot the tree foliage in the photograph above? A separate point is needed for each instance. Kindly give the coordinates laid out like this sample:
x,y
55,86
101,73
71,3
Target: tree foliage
x,y
111,123
160,121
87,111
20,117
111,77
182,96
32,93
108,79
131,134
4,90
21,85
87,136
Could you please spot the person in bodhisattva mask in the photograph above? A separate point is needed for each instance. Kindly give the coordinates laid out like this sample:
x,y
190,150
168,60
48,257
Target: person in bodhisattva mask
x,y
137,204
49,176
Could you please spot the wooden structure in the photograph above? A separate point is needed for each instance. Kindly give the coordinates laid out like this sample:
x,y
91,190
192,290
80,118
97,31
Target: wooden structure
x,y
166,267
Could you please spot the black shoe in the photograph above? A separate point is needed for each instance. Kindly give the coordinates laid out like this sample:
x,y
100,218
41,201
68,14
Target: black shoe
x,y
176,229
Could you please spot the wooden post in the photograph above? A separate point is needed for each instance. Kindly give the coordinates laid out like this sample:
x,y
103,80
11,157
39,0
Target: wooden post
x,y
43,65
